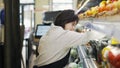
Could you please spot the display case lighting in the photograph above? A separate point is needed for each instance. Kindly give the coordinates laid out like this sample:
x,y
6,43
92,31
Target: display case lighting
x,y
82,6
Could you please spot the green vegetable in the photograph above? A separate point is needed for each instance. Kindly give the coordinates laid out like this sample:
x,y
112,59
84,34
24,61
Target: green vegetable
x,y
73,65
73,52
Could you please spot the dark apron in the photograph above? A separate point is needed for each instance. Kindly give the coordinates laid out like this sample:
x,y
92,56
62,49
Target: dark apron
x,y
58,64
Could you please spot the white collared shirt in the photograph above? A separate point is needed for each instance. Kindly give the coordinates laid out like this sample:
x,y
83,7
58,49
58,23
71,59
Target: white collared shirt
x,y
57,42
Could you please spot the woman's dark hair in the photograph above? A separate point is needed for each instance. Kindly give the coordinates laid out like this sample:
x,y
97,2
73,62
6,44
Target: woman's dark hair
x,y
65,17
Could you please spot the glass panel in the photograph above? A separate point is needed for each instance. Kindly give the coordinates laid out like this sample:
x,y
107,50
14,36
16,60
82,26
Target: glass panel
x,y
20,14
26,1
62,6
28,18
62,1
20,9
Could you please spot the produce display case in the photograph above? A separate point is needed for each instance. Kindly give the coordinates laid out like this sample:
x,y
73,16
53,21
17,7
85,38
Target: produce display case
x,y
111,27
109,20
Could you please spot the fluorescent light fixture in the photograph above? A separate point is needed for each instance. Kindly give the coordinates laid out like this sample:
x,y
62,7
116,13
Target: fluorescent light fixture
x,y
82,7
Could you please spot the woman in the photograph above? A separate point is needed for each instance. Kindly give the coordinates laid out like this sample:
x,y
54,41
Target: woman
x,y
54,47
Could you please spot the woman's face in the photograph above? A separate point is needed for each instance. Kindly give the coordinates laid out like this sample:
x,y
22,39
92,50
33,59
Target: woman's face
x,y
70,26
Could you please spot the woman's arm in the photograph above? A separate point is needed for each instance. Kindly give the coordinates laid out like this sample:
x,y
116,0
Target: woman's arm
x,y
74,38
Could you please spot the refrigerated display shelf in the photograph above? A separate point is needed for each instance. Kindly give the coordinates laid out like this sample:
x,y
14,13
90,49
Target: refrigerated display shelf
x,y
87,62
